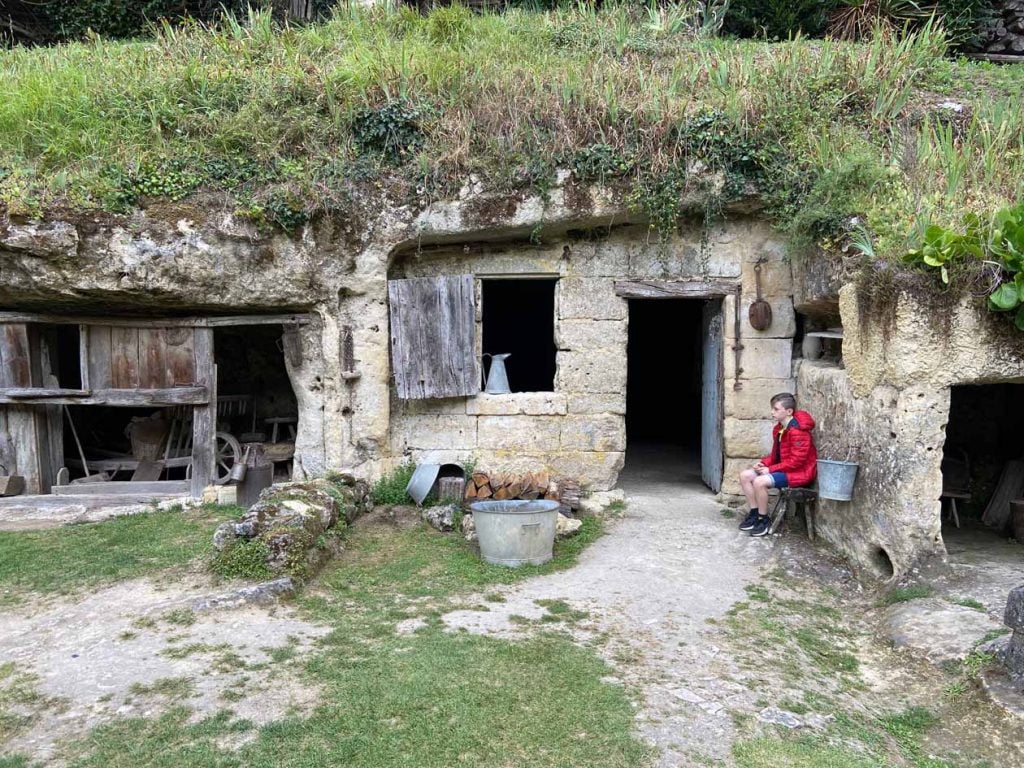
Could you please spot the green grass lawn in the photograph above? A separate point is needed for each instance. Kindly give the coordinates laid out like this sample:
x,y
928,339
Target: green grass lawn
x,y
77,556
432,698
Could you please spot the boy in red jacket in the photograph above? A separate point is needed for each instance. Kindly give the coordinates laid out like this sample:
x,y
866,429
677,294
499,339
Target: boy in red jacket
x,y
793,462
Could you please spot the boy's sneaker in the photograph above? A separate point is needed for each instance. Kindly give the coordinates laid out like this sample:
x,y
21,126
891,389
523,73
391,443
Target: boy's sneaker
x,y
762,527
750,520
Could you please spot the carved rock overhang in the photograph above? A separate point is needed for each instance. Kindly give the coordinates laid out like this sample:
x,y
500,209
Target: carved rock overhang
x,y
198,256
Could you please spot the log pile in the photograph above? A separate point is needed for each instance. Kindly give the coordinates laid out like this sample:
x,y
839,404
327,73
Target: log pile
x,y
1006,32
502,486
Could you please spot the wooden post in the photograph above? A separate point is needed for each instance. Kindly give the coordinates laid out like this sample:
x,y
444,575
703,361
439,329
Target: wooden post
x,y
204,417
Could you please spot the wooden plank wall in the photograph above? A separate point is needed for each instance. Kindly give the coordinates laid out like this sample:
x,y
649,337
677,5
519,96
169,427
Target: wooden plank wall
x,y
15,368
19,440
433,353
141,358
204,417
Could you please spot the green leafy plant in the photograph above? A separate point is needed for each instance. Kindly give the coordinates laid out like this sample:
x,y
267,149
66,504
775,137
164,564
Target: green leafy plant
x,y
242,560
390,488
392,132
939,246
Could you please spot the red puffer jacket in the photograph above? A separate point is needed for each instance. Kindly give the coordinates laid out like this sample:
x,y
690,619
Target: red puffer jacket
x,y
793,450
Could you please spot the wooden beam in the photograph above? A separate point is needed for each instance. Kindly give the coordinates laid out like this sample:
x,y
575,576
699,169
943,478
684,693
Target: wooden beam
x,y
204,417
117,487
129,398
165,322
665,289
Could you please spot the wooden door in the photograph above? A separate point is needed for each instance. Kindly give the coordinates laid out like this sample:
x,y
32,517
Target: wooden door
x,y
711,455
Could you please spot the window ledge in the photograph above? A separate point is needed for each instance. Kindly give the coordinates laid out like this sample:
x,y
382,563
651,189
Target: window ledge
x,y
518,404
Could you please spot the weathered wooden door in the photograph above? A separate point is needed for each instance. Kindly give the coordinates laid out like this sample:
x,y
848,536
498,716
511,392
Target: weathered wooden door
x,y
711,457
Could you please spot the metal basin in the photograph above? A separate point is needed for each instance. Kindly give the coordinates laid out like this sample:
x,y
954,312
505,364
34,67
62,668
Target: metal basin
x,y
516,532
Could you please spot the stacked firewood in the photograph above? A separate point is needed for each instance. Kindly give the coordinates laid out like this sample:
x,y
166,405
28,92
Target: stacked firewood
x,y
501,486
1006,33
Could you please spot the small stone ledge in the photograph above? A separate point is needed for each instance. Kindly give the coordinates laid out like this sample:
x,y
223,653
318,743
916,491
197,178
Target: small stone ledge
x,y
263,594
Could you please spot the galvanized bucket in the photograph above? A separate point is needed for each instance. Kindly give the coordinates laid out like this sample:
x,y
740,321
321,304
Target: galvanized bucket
x,y
516,532
835,479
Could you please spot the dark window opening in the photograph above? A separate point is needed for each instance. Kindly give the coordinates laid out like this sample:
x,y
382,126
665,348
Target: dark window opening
x,y
519,320
63,356
981,469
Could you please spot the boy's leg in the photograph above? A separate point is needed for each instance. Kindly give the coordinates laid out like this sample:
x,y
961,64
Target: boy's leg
x,y
761,486
747,478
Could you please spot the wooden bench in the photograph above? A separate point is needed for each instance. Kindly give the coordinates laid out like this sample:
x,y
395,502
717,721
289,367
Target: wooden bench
x,y
792,501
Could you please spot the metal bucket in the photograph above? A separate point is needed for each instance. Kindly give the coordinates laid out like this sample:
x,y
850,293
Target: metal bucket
x,y
835,479
515,532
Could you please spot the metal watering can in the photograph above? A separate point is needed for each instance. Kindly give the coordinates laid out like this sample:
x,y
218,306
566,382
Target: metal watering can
x,y
497,376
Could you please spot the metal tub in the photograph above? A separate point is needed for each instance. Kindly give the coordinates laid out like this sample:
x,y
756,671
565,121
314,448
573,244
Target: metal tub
x,y
515,532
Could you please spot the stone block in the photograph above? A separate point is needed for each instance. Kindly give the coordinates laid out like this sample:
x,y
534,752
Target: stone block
x,y
752,400
593,259
1014,615
526,433
748,437
434,431
589,298
591,371
783,318
518,404
614,402
594,433
443,406
490,262
595,335
762,359
731,474
776,279
595,470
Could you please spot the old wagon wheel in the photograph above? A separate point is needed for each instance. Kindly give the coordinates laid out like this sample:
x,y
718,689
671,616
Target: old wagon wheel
x,y
228,453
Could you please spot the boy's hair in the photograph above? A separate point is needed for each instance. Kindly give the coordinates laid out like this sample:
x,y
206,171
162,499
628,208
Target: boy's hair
x,y
787,400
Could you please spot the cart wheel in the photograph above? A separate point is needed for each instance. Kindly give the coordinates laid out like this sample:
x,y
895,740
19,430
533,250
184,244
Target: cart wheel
x,y
228,453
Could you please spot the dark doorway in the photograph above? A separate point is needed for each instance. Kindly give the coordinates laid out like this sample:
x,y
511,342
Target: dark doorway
x,y
982,460
664,401
519,320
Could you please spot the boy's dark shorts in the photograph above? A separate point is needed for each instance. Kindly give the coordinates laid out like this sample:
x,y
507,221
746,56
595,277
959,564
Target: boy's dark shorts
x,y
779,480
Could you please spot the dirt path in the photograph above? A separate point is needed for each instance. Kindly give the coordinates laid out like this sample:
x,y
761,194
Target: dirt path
x,y
718,631
671,565
136,647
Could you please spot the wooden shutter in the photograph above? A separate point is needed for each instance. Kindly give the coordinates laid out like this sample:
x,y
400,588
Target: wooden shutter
x,y
433,352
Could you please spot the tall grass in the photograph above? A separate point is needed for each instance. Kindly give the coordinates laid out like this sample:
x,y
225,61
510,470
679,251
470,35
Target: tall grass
x,y
502,96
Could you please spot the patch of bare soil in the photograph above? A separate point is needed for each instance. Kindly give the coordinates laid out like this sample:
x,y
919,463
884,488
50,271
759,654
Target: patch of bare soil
x,y
136,648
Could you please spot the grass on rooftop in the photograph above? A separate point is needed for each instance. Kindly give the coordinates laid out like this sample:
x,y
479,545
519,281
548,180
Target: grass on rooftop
x,y
296,121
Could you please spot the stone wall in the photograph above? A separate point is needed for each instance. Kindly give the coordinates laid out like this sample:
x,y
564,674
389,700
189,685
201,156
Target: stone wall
x,y
197,256
888,410
579,429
